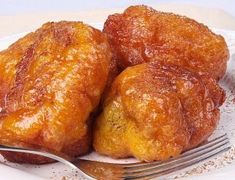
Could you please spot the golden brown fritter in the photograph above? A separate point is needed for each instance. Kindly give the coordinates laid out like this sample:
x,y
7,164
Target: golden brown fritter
x,y
50,83
157,110
142,34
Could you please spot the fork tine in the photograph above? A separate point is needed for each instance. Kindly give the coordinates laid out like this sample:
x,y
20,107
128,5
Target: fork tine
x,y
180,167
177,160
187,153
160,171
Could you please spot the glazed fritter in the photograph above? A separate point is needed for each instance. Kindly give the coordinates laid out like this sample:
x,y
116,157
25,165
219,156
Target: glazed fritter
x,y
157,110
51,82
142,34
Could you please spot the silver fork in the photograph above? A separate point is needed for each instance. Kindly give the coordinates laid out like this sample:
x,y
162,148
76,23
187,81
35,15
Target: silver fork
x,y
142,170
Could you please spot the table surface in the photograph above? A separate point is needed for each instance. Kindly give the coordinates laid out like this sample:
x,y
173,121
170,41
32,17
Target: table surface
x,y
10,7
18,16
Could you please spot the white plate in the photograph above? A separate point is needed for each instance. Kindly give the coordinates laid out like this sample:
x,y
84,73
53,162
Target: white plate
x,y
222,166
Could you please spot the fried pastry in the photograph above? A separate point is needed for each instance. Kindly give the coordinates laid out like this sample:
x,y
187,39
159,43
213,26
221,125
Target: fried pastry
x,y
157,110
51,82
142,34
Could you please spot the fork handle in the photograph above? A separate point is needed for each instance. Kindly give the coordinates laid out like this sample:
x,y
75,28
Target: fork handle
x,y
61,158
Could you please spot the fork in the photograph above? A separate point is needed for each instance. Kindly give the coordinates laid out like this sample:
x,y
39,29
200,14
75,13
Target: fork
x,y
141,170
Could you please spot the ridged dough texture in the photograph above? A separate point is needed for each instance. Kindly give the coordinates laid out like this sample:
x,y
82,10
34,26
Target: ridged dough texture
x,y
157,110
142,34
51,82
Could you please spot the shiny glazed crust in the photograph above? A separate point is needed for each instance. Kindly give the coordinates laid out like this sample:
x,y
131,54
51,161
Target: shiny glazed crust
x,y
51,81
141,34
156,110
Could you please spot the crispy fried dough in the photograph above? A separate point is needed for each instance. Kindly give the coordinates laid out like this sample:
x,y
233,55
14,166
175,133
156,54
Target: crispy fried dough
x,y
51,81
142,34
157,110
